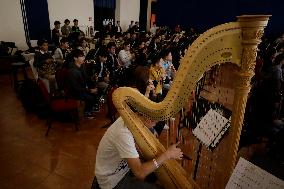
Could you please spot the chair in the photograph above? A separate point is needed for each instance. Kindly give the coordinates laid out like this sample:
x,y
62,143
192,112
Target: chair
x,y
15,68
110,106
62,105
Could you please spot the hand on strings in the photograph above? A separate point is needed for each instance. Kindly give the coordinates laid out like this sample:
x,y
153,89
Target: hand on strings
x,y
173,152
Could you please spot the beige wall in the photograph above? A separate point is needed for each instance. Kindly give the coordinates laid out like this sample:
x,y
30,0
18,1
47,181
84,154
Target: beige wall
x,y
12,27
127,10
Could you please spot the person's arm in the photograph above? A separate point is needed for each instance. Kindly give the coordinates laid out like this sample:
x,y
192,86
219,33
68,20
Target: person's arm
x,y
57,56
141,170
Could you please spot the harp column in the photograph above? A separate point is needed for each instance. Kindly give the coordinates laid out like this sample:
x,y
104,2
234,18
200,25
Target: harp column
x,y
252,30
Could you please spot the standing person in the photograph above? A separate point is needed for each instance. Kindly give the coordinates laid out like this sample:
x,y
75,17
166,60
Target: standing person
x,y
66,29
118,164
56,33
118,29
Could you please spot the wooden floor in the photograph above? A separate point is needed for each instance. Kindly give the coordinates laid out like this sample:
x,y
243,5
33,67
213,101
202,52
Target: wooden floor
x,y
64,159
29,160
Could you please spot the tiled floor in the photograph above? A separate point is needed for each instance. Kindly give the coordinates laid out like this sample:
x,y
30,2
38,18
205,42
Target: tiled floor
x,y
29,160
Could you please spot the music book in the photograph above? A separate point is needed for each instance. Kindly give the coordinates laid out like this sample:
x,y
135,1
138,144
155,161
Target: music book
x,y
211,128
249,176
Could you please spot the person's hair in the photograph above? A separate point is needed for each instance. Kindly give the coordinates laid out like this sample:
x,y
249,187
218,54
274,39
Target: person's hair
x,y
140,42
155,59
64,40
278,59
165,53
126,43
111,44
77,53
66,21
56,22
75,20
141,78
41,42
103,53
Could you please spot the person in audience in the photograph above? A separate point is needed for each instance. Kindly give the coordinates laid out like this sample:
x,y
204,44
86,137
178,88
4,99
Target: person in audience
x,y
75,27
118,164
133,41
45,65
66,29
125,57
118,28
157,74
130,27
56,33
153,29
112,61
77,84
102,72
84,46
136,27
61,52
169,70
75,33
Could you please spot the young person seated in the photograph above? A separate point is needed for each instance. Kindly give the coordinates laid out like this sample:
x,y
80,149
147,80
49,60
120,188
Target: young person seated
x,y
169,70
45,64
101,70
156,74
77,84
118,164
61,52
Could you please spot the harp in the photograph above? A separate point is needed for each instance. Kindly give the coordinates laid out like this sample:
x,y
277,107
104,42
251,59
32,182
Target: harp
x,y
230,48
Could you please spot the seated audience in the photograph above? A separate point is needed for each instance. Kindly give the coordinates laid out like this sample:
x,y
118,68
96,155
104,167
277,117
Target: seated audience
x,y
84,46
157,74
61,52
77,84
45,64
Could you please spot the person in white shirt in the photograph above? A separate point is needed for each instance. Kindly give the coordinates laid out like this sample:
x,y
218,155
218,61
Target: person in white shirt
x,y
124,56
61,52
117,158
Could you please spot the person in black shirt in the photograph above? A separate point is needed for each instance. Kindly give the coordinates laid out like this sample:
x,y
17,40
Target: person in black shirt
x,y
56,33
77,83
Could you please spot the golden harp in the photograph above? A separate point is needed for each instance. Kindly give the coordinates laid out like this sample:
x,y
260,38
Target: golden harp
x,y
234,43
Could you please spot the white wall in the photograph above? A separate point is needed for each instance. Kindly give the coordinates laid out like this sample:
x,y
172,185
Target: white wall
x,y
12,27
82,10
127,10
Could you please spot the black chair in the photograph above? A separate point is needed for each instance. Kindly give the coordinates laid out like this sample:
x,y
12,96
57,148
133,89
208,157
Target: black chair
x,y
15,68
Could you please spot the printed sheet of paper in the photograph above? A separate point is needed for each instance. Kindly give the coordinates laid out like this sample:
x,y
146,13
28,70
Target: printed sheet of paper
x,y
248,176
209,127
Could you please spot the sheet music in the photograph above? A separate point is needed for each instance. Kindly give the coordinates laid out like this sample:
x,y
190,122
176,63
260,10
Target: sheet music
x,y
248,176
210,127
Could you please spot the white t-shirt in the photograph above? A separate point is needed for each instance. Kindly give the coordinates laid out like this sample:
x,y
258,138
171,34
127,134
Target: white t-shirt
x,y
116,145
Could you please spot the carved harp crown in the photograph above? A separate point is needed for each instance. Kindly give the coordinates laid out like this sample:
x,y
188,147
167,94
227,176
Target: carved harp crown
x,y
234,42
